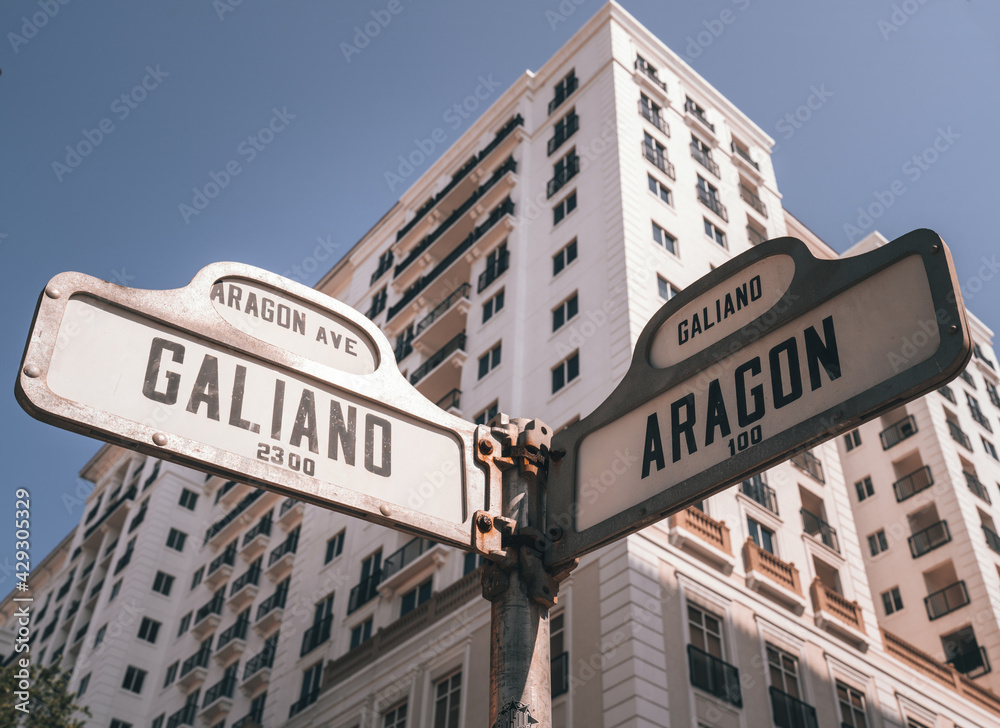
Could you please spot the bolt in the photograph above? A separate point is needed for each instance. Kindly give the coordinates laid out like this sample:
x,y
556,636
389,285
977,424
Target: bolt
x,y
935,248
555,533
32,370
159,439
386,510
52,292
484,523
952,329
485,447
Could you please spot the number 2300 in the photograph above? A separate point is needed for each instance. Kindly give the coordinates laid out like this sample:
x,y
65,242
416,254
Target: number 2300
x,y
291,460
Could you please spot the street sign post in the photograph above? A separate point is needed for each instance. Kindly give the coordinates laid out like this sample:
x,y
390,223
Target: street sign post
x,y
249,375
771,353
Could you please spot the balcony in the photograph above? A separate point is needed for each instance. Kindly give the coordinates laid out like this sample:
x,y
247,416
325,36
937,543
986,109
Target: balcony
x,y
113,514
228,525
232,641
184,716
809,463
290,513
206,619
218,699
816,527
847,621
769,575
694,111
271,610
563,91
244,589
439,372
415,557
702,535
992,539
959,436
494,269
566,171
714,676
316,635
928,539
703,158
757,490
434,329
972,663
649,73
221,567
979,417
279,563
255,540
946,392
658,156
744,155
559,670
755,236
654,117
790,712
947,600
451,402
194,669
363,592
898,431
909,485
303,702
709,200
568,127
751,198
975,486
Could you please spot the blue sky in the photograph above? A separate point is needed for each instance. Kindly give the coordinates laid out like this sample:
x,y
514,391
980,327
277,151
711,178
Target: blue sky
x,y
160,99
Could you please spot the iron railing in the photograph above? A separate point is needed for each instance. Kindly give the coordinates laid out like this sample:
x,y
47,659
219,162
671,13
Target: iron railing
x,y
401,558
263,528
814,525
755,236
567,171
226,558
250,576
212,606
569,126
959,436
699,114
658,156
316,635
494,269
811,464
976,486
753,199
712,202
236,631
701,156
898,431
910,485
563,91
650,73
233,514
456,344
946,392
714,676
275,601
263,659
992,539
458,294
757,489
942,602
744,154
654,117
930,538
289,546
222,689
790,712
364,592
452,399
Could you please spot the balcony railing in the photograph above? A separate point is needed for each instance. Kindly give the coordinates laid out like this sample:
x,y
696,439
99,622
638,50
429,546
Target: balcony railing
x,y
816,526
745,155
952,597
811,464
569,169
827,600
979,417
438,311
654,117
947,393
316,635
494,269
198,659
452,399
288,546
109,511
790,712
222,689
569,127
930,538
698,114
703,159
401,558
275,601
910,485
456,344
752,199
959,436
263,528
758,490
784,573
233,514
563,92
263,659
710,201
303,702
659,159
755,236
975,486
364,592
898,431
213,606
707,528
226,558
184,716
250,576
972,663
236,631
649,73
560,674
992,539
714,676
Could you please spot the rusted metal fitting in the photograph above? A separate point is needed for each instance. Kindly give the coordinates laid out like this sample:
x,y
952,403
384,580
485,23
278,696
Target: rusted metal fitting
x,y
484,522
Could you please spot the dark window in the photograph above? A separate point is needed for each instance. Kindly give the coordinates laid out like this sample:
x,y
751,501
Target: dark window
x,y
666,289
489,361
163,583
447,700
565,311
196,577
185,623
176,539
188,499
662,237
334,547
361,633
877,542
864,488
565,372
564,257
149,629
171,673
493,305
395,718
852,440
115,588
488,414
892,601
761,535
659,189
565,207
852,707
415,597
84,682
134,678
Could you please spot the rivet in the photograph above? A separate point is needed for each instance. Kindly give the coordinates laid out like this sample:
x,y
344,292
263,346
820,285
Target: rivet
x,y
32,370
386,510
159,439
484,523
485,447
52,292
935,248
952,329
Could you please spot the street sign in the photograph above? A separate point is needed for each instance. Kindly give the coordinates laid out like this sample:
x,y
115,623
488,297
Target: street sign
x,y
252,376
770,354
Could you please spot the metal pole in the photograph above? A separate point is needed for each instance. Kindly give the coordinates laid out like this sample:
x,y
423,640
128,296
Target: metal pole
x,y
518,588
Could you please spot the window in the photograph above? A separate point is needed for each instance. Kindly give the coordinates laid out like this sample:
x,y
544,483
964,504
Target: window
x,y
864,488
563,89
761,535
188,499
158,721
196,577
565,207
988,447
488,414
447,699
666,289
564,257
558,654
378,303
84,682
171,673
493,305
489,361
783,669
361,633
176,539
652,112
852,707
563,130
395,718
662,237
892,601
705,630
658,189
415,597
565,311
163,583
311,680
877,542
566,371
967,378
563,171
149,629
852,440
994,395
977,414
497,262
115,588
707,192
334,547
712,231
472,562
185,623
134,678
99,637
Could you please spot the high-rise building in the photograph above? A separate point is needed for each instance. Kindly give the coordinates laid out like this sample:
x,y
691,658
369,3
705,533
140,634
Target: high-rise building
x,y
515,275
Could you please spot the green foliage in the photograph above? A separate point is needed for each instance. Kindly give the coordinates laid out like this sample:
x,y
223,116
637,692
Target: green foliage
x,y
49,704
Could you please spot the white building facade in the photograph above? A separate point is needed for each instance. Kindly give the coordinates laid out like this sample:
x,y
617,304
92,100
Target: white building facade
x,y
515,276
